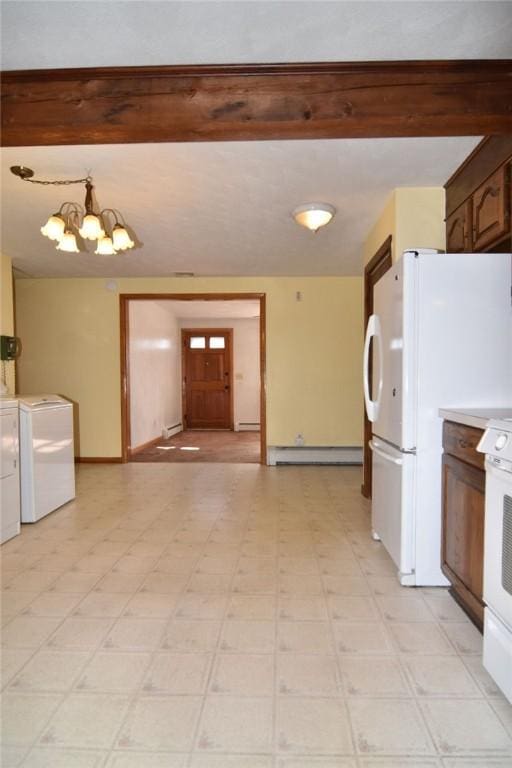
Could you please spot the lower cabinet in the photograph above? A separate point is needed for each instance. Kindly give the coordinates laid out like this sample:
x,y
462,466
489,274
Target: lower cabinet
x,y
462,554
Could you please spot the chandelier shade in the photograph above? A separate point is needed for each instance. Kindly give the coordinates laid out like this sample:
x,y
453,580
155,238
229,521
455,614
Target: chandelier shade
x,y
105,247
91,228
106,226
54,227
68,243
121,239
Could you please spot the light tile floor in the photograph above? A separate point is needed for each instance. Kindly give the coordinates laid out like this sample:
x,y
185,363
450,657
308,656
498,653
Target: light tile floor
x,y
232,616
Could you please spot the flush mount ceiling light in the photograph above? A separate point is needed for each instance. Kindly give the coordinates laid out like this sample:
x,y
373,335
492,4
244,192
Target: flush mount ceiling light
x,y
313,215
72,219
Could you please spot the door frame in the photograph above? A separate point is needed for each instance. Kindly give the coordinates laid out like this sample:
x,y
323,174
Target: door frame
x,y
378,265
199,331
124,303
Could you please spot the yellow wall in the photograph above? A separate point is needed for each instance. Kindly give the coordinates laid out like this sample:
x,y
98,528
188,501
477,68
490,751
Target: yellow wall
x,y
381,230
420,213
414,216
70,334
7,316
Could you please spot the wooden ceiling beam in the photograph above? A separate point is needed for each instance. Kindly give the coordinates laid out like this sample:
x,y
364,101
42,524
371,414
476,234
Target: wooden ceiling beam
x,y
256,102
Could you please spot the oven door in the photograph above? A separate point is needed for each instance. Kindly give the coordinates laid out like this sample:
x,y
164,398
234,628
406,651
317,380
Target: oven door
x,y
498,543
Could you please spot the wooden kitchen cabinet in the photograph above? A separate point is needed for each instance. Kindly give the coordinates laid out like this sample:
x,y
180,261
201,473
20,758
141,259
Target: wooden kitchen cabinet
x,y
458,229
463,515
478,199
491,210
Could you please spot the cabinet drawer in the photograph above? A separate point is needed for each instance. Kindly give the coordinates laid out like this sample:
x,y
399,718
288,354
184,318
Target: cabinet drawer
x,y
491,216
461,441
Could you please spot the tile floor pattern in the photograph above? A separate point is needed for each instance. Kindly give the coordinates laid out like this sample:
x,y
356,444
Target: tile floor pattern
x,y
232,616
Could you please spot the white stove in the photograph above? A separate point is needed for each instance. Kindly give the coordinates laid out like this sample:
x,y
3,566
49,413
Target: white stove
x,y
496,443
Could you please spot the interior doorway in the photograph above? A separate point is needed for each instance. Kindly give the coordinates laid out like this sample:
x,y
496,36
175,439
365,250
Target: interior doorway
x,y
208,383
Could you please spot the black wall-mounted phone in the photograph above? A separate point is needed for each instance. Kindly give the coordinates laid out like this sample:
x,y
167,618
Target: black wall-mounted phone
x,y
9,347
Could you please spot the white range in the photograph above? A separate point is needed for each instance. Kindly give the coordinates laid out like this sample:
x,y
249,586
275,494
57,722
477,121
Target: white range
x,y
496,443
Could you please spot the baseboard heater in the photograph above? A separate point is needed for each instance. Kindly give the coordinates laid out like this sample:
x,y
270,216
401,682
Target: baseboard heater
x,y
247,426
282,454
168,432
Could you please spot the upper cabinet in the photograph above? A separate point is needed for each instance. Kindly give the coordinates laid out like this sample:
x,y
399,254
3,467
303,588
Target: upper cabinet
x,y
458,229
478,199
491,210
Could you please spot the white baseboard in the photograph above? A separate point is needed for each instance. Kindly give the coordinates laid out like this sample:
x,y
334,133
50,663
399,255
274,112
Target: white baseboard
x,y
277,454
247,426
168,432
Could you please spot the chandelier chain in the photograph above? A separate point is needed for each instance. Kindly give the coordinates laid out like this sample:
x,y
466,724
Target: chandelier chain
x,y
59,183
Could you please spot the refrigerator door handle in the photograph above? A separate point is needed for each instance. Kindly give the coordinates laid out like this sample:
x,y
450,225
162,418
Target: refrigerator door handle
x,y
383,455
372,330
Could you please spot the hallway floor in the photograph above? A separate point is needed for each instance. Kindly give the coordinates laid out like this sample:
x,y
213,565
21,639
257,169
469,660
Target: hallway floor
x,y
232,616
195,445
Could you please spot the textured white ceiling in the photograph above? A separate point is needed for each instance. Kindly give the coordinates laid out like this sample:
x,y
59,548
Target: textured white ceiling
x,y
224,209
220,208
109,33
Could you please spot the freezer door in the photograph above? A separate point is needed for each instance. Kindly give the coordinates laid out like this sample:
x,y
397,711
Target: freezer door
x,y
394,303
393,505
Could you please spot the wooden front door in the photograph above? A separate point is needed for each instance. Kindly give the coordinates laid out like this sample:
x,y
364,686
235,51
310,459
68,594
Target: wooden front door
x,y
207,385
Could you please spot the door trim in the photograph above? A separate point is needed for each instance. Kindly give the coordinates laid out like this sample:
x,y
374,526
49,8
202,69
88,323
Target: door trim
x,y
124,302
378,265
198,331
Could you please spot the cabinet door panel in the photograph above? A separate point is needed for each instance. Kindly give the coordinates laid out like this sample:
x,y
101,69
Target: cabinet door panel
x,y
463,522
491,210
458,229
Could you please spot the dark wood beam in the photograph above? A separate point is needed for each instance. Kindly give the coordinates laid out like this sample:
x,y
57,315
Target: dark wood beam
x,y
282,101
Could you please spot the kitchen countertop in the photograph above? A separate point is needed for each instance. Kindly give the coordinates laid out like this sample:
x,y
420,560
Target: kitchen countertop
x,y
474,417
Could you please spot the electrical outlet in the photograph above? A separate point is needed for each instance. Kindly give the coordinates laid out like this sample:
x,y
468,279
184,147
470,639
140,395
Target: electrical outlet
x,y
299,440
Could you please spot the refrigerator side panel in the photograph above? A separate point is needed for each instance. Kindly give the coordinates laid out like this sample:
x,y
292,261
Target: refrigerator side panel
x,y
409,352
464,337
427,506
388,306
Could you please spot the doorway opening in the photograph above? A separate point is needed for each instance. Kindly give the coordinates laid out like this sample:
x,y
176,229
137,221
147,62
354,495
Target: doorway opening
x,y
192,377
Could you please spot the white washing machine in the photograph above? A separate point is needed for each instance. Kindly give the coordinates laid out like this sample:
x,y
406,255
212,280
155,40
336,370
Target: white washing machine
x,y
9,469
47,461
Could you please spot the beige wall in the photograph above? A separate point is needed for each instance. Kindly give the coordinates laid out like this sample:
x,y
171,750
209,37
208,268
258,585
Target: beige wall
x,y
381,230
414,216
7,318
420,213
70,332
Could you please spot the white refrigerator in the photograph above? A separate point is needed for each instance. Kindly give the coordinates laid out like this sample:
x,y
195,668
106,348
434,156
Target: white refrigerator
x,y
440,336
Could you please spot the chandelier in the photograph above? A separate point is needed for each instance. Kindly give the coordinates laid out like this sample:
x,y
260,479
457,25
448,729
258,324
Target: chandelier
x,y
72,219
